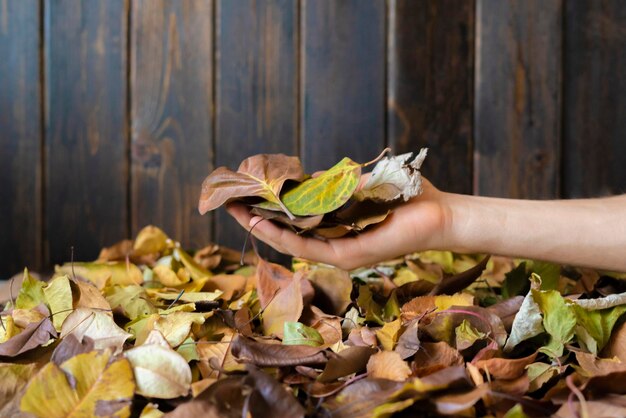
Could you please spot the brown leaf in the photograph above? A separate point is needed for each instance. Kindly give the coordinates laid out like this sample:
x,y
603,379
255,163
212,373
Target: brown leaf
x,y
33,336
223,399
230,284
269,398
329,326
261,354
261,175
502,368
453,404
271,278
451,285
616,347
332,289
286,306
348,361
594,366
409,343
69,347
300,222
518,386
361,397
388,365
506,310
435,356
600,408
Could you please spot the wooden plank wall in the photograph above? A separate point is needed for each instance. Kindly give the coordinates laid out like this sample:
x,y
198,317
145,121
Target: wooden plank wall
x,y
112,113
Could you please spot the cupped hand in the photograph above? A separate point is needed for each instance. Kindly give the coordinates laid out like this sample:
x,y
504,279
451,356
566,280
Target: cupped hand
x,y
416,225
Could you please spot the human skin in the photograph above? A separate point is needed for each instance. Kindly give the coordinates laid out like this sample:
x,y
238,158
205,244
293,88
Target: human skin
x,y
582,232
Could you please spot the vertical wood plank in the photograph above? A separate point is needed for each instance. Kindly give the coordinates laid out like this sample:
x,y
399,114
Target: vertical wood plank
x,y
430,82
517,98
256,88
171,96
86,132
20,137
594,92
343,86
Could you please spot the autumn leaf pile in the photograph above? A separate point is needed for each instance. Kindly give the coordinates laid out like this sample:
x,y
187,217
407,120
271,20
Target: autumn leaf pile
x,y
330,205
150,329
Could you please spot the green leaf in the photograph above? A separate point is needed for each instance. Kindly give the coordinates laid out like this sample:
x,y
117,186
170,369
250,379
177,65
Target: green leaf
x,y
326,192
516,412
467,335
596,324
31,294
296,333
373,311
559,320
58,294
549,273
515,282
391,310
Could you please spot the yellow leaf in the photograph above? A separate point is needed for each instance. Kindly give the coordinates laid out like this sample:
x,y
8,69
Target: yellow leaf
x,y
13,377
151,411
8,328
115,272
168,277
388,365
160,372
150,240
23,317
444,302
388,334
58,295
176,326
83,386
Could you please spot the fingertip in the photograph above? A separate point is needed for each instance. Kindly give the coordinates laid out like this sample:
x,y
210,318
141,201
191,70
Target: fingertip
x,y
255,220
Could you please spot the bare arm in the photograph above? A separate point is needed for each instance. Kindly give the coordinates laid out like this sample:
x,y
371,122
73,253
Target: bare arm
x,y
589,232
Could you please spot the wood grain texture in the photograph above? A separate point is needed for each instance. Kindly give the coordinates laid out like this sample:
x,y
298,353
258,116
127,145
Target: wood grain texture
x,y
343,86
20,137
517,99
257,76
594,93
171,99
86,132
430,83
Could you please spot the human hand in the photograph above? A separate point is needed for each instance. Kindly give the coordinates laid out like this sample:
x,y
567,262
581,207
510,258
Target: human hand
x,y
416,225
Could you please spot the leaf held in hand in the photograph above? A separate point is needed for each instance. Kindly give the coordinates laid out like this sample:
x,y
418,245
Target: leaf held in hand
x,y
261,175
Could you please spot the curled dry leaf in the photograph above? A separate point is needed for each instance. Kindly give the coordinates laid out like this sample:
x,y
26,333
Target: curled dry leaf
x,y
98,326
258,176
35,335
248,350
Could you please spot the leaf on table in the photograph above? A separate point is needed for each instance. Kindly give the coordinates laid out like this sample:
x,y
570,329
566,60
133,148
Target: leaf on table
x,y
248,350
98,326
90,384
394,178
13,377
286,306
261,175
326,192
160,372
59,298
35,334
114,272
132,301
388,365
31,293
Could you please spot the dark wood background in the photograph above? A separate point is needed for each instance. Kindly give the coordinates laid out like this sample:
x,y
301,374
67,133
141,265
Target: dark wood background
x,y
112,112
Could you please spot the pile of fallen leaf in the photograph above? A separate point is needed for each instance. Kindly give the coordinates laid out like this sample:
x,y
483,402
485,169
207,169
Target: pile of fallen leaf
x,y
329,205
150,329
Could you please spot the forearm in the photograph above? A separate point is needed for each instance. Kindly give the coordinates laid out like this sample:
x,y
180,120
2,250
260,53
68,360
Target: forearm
x,y
587,232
